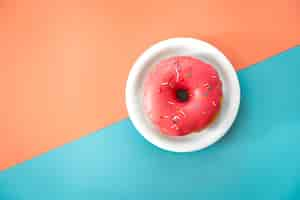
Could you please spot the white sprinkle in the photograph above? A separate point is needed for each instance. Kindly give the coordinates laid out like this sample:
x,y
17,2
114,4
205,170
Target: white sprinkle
x,y
170,102
175,118
173,126
205,84
165,83
214,103
165,117
177,74
214,76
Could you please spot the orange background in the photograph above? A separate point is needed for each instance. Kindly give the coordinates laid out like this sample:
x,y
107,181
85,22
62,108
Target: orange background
x,y
64,64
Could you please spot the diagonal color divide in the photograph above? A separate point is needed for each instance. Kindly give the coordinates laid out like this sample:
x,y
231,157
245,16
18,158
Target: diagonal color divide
x,y
257,159
58,58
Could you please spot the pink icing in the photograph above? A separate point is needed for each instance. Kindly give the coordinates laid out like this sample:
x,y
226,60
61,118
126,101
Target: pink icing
x,y
202,95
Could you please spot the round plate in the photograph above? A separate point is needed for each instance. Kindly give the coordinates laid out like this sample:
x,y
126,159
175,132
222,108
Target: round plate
x,y
188,47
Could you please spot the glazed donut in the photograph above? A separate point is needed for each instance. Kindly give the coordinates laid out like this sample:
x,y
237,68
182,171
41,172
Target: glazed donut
x,y
182,94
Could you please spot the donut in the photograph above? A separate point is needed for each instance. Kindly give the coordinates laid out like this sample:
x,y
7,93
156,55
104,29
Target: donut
x,y
182,94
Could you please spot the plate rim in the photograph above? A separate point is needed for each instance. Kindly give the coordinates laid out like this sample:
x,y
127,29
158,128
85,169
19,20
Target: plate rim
x,y
138,66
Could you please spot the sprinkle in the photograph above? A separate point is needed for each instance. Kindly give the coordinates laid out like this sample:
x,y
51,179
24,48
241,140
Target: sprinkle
x,y
214,103
165,83
209,87
177,74
182,113
175,119
205,84
170,102
213,76
165,117
175,126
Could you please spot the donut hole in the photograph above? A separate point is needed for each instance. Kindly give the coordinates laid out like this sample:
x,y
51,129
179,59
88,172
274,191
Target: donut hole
x,y
182,95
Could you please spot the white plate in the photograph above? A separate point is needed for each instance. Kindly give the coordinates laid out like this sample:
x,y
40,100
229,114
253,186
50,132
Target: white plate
x,y
189,47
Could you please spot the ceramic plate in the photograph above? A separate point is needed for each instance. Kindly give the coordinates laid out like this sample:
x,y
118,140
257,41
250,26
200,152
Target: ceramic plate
x,y
183,47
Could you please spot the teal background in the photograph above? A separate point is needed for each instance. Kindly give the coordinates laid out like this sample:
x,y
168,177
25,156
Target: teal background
x,y
258,159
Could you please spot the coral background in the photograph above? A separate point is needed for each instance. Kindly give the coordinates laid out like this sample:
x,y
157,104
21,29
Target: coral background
x,y
64,64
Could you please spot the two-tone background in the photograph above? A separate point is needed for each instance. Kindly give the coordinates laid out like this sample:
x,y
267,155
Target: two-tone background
x,y
63,69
